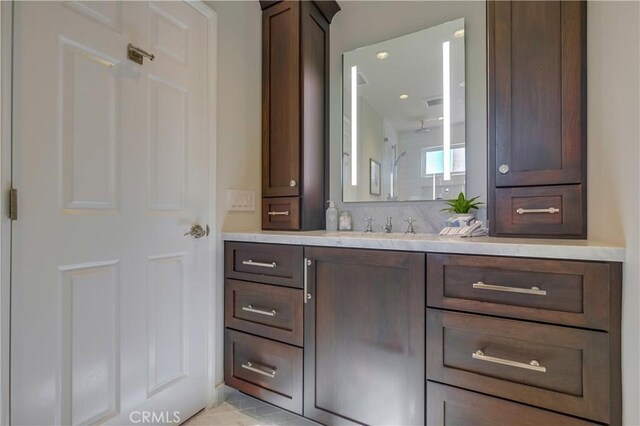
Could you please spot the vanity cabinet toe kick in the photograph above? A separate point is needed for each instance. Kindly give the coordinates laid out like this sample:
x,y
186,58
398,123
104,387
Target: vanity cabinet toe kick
x,y
506,338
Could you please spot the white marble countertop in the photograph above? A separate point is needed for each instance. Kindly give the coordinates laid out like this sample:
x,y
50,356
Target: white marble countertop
x,y
520,247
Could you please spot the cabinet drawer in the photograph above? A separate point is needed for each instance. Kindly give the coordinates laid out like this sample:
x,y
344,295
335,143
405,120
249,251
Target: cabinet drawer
x,y
447,405
541,211
281,213
268,370
555,291
559,368
265,310
265,263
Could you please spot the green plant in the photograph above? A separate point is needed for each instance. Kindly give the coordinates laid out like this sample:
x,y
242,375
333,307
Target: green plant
x,y
462,205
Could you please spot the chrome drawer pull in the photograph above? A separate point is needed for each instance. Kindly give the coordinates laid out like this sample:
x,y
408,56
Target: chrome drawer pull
x,y
533,290
274,213
266,372
550,210
261,264
307,295
249,308
533,364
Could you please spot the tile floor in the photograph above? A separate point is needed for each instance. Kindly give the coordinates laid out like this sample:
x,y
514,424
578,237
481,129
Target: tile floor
x,y
242,410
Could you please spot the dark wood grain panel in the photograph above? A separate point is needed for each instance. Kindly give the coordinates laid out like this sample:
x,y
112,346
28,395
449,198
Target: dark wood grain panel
x,y
569,222
364,337
296,112
281,98
577,293
328,8
315,115
288,263
289,221
577,362
284,389
449,406
537,114
538,122
282,319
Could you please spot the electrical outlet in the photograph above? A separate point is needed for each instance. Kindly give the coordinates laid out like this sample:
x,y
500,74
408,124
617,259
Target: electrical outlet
x,y
241,201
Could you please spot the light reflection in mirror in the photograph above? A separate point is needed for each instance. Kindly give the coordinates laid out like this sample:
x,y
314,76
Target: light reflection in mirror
x,y
400,97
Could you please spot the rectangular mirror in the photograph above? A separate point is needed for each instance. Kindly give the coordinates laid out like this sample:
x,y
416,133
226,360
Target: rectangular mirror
x,y
404,117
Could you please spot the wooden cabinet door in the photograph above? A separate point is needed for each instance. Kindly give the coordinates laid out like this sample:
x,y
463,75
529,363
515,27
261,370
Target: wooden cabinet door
x,y
537,92
281,100
364,337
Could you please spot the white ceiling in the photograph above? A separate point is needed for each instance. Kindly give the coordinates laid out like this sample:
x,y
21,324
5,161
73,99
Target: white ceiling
x,y
414,67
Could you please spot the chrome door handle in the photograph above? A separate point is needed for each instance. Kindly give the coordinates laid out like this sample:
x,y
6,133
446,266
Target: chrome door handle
x,y
307,295
249,308
261,264
533,290
274,213
269,372
532,365
197,231
550,210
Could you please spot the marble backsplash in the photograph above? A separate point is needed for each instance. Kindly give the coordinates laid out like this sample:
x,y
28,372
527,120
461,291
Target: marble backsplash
x,y
429,218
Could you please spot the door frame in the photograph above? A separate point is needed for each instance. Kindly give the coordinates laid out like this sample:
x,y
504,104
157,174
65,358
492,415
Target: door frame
x,y
6,101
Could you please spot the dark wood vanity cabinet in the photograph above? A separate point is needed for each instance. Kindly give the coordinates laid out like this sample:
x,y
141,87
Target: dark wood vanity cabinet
x,y
295,87
537,118
263,318
541,332
354,318
364,337
380,337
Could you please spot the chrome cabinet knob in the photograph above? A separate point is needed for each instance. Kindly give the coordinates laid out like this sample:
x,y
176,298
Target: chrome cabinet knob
x,y
503,169
197,231
292,183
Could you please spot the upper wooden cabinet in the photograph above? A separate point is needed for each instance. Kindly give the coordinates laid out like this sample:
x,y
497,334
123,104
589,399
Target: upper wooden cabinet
x,y
537,117
295,46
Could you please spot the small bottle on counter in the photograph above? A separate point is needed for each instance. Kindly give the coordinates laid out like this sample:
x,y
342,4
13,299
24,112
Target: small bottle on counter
x,y
332,217
344,222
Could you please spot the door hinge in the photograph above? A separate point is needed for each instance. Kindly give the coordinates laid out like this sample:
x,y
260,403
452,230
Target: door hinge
x,y
13,204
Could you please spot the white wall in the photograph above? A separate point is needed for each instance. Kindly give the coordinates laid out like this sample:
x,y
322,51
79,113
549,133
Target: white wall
x,y
239,130
613,68
239,108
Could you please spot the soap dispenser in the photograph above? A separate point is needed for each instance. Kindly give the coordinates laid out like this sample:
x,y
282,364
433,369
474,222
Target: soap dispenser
x,y
332,217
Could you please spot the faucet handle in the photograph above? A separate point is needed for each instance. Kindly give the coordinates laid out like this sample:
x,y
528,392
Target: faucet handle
x,y
388,227
410,229
368,220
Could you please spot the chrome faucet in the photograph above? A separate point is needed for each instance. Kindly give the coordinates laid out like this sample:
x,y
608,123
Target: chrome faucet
x,y
388,226
410,229
368,220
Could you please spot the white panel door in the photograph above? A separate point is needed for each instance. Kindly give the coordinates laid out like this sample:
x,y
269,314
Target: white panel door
x,y
109,297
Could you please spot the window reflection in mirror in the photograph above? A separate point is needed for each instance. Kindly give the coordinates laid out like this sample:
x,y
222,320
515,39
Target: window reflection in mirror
x,y
404,108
